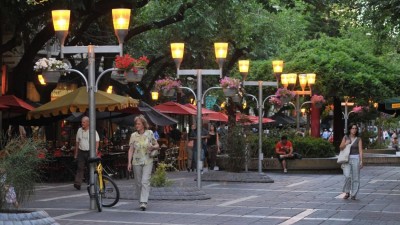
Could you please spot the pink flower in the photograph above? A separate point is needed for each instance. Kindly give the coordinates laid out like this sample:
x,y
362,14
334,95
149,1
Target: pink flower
x,y
284,93
275,101
317,99
228,82
167,84
358,109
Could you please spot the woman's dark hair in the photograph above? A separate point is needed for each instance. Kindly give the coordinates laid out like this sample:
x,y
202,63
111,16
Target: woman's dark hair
x,y
349,129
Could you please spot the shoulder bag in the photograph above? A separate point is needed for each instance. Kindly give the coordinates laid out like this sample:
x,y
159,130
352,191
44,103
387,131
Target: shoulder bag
x,y
344,154
155,152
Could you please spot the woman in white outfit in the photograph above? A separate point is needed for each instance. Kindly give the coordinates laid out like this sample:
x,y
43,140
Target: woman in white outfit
x,y
142,143
351,170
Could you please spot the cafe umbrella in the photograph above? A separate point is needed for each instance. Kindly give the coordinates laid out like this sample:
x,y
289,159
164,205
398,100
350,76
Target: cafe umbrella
x,y
78,101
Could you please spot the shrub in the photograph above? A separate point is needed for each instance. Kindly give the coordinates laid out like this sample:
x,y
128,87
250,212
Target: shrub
x,y
159,178
309,147
18,167
235,143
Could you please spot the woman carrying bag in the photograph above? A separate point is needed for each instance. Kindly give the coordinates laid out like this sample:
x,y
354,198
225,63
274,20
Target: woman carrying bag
x,y
351,169
143,146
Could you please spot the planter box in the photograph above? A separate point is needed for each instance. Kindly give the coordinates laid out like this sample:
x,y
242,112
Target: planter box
x,y
135,77
51,76
320,164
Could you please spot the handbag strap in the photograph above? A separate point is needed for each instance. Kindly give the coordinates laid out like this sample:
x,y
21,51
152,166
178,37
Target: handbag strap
x,y
353,140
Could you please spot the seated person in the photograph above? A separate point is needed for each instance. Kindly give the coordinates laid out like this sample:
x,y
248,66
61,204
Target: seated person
x,y
284,151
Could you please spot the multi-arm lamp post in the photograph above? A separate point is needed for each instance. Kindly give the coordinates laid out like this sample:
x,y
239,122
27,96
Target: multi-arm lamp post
x,y
304,80
121,19
177,50
244,70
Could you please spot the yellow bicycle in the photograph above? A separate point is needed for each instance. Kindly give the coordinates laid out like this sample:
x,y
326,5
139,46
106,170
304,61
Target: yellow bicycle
x,y
106,191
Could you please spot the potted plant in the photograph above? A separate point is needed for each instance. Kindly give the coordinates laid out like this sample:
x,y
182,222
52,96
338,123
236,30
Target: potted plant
x,y
317,100
132,68
276,102
230,86
51,69
284,95
18,174
167,86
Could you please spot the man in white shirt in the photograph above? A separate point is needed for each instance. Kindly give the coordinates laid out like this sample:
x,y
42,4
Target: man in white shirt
x,y
82,151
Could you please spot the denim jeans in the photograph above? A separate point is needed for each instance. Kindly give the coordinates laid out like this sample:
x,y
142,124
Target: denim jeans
x,y
351,172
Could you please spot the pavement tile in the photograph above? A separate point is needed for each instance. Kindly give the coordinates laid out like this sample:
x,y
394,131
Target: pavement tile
x,y
289,195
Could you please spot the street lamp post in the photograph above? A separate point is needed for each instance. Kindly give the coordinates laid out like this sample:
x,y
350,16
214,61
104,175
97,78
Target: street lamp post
x,y
304,80
177,51
244,70
346,113
121,18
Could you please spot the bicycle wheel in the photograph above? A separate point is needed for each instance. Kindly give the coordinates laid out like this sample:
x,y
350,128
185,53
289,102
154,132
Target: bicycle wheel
x,y
97,194
110,192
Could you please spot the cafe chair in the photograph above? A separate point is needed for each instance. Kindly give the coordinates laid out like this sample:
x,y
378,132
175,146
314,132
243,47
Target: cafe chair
x,y
171,157
182,156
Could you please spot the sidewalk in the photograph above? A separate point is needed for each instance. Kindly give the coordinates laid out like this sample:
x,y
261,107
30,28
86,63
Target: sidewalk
x,y
290,199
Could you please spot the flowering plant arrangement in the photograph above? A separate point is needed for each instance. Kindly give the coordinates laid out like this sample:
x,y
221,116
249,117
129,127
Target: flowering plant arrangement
x,y
276,102
317,99
228,82
127,62
284,93
167,84
358,109
49,64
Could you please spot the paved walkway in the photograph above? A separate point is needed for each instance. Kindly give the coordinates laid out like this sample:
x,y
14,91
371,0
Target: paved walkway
x,y
290,199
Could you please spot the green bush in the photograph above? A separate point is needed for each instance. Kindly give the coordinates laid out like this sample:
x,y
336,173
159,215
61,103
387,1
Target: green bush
x,y
18,167
235,143
309,147
159,178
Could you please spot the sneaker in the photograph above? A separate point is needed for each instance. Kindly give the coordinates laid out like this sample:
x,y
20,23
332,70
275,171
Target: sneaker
x,y
285,170
143,206
201,172
77,186
216,168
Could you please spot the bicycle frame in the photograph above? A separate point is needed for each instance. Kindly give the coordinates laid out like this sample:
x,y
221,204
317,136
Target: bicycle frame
x,y
99,170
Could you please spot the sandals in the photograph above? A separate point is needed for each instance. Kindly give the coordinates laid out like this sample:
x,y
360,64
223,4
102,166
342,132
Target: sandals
x,y
347,195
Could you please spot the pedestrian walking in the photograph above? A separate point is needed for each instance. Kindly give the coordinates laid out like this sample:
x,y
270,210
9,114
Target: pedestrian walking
x,y
141,144
351,170
212,148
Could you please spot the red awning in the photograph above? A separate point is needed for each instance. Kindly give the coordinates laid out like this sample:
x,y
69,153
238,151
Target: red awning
x,y
216,116
203,110
15,104
174,108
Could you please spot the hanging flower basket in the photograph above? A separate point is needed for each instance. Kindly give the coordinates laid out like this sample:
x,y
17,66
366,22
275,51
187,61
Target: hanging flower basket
x,y
318,100
167,86
168,93
236,98
285,100
51,69
51,76
135,75
229,92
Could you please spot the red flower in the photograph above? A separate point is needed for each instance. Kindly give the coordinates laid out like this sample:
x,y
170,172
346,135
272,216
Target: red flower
x,y
127,62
